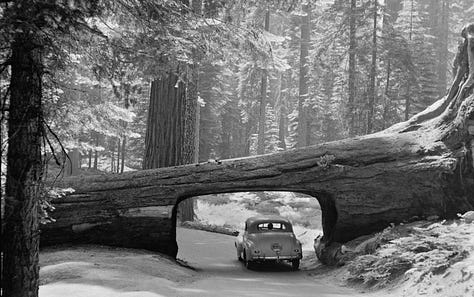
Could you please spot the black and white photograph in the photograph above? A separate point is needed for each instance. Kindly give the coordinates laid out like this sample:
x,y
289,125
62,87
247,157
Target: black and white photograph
x,y
237,148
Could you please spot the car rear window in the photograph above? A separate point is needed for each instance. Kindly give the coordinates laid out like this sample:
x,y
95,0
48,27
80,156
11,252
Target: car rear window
x,y
273,226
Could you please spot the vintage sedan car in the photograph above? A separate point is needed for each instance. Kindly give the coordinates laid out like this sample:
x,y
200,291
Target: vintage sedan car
x,y
268,239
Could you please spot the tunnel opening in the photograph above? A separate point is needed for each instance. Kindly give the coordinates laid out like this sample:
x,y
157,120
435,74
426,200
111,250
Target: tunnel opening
x,y
225,214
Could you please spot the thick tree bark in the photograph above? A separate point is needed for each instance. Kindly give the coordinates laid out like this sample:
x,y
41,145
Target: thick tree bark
x,y
415,169
20,240
165,129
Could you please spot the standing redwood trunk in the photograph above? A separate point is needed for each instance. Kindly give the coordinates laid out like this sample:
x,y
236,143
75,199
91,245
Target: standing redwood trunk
x,y
191,123
168,142
21,237
263,100
303,134
165,129
352,66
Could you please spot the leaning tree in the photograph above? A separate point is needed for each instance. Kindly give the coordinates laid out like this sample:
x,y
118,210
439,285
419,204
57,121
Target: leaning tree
x,y
418,168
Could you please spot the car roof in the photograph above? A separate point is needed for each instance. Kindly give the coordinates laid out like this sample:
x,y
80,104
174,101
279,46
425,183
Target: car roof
x,y
272,218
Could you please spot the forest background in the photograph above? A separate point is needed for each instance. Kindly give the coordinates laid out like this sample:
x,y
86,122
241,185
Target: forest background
x,y
270,76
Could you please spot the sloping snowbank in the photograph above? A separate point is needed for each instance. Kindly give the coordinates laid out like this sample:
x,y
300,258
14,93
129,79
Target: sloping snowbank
x,y
418,259
105,271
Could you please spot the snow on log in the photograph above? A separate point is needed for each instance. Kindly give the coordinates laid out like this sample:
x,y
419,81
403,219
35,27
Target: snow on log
x,y
415,169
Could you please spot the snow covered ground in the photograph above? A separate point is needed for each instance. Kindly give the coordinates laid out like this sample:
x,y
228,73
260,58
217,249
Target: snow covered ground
x,y
423,259
99,271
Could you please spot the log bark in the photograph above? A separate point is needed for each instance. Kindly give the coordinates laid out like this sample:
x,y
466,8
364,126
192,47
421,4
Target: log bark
x,y
418,168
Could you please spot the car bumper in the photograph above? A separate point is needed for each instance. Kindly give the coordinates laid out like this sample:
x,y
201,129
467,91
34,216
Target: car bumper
x,y
276,258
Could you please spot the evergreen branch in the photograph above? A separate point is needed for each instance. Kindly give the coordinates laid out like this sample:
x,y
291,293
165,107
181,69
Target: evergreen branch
x,y
63,150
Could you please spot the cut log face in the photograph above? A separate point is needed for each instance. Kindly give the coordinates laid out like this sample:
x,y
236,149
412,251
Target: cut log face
x,y
415,169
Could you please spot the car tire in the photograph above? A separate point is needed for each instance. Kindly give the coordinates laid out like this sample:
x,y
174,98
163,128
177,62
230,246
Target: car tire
x,y
239,255
295,264
248,264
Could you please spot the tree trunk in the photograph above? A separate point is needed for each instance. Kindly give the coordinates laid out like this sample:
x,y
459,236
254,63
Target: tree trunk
x,y
414,169
372,93
112,159
122,165
352,67
409,76
282,129
443,52
165,129
302,139
282,113
263,100
387,101
96,153
72,163
118,155
20,240
191,123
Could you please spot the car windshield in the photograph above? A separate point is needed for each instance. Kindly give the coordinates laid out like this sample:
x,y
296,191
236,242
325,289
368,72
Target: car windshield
x,y
273,227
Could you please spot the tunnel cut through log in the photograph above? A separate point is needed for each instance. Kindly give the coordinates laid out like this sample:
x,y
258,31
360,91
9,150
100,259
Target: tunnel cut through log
x,y
418,168
328,210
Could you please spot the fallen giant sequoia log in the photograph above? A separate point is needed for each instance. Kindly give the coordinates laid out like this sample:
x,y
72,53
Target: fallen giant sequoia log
x,y
418,168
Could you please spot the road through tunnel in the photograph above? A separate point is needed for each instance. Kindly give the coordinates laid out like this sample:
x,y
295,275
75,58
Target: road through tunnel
x,y
226,213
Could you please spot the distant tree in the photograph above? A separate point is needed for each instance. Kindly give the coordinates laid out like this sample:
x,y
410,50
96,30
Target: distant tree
x,y
372,92
352,65
263,99
303,92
